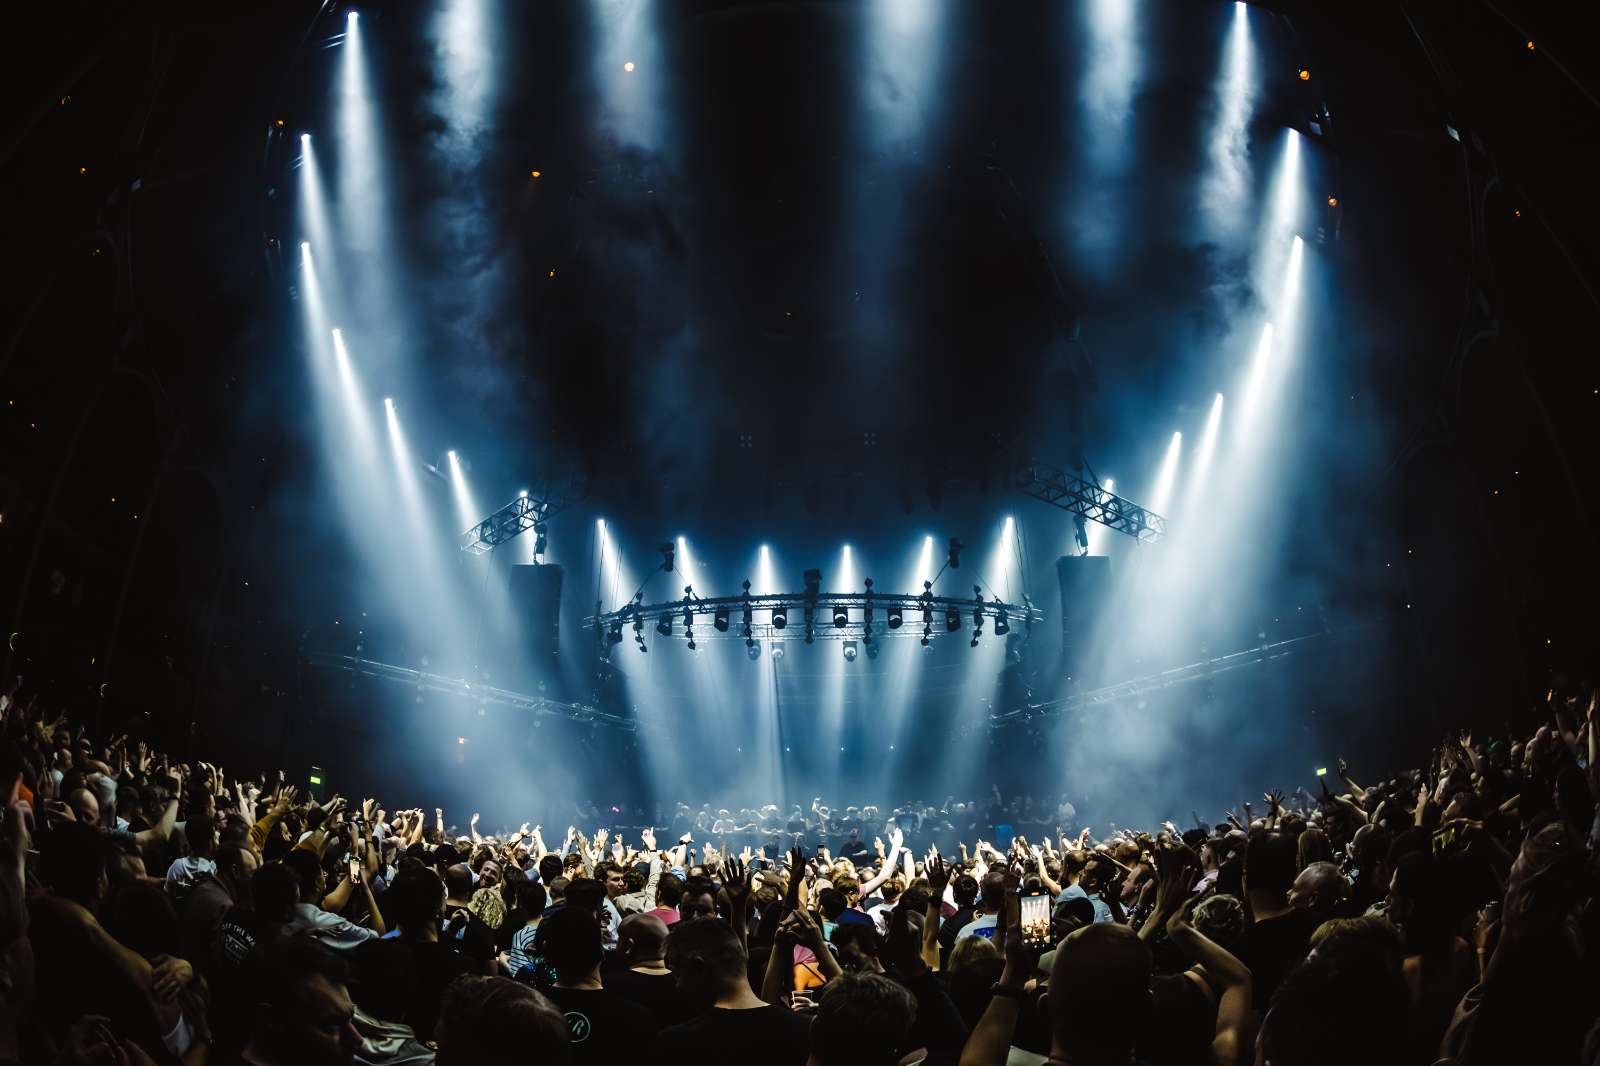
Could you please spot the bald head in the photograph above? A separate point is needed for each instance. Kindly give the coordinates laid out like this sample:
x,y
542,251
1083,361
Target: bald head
x,y
1319,888
84,806
1099,993
642,938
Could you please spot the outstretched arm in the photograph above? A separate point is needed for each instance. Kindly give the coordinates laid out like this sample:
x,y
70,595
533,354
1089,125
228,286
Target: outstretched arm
x,y
1344,775
1236,1019
990,1042
1050,884
896,840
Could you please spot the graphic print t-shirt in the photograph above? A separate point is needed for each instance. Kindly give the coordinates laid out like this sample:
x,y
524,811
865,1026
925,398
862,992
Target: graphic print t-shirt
x,y
605,1027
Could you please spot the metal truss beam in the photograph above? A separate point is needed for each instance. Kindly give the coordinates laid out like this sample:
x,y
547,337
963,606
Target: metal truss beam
x,y
515,519
1166,679
918,611
1088,499
485,694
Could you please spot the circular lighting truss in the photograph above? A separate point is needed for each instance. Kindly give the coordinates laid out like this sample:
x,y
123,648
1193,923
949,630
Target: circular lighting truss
x,y
860,618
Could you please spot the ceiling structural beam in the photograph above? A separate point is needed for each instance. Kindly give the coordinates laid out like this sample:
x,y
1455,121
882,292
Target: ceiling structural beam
x,y
1182,675
484,695
1089,500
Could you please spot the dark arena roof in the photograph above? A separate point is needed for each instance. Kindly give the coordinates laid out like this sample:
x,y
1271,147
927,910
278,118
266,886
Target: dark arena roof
x,y
303,293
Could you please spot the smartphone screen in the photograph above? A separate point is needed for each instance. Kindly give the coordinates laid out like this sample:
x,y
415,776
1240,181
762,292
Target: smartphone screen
x,y
355,869
1035,920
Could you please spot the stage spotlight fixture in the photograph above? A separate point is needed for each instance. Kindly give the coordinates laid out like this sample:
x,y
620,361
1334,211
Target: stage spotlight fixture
x,y
719,619
752,648
1080,532
1001,625
841,617
777,650
541,538
896,618
813,580
639,639
952,619
780,617
1333,201
695,647
811,617
976,633
615,636
955,552
872,649
850,651
664,626
669,552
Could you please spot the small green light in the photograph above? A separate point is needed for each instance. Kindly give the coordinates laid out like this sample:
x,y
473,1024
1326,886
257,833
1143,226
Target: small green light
x,y
1322,771
316,780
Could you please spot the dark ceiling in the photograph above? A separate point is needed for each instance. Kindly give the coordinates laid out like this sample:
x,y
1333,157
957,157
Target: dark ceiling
x,y
777,273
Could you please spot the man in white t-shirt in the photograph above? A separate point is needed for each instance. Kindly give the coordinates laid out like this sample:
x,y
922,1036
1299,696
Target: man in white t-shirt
x,y
201,833
991,901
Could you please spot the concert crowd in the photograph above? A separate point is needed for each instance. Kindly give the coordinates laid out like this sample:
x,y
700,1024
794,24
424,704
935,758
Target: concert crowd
x,y
164,909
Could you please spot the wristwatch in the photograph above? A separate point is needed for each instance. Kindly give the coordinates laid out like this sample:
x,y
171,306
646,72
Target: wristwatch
x,y
1010,991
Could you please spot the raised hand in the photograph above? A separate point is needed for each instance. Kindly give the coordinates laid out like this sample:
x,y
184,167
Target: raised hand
x,y
736,880
1176,875
648,837
896,838
1180,917
938,872
809,932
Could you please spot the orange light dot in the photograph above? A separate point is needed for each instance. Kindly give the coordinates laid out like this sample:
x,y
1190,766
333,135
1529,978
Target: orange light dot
x,y
1516,212
552,273
83,170
1530,46
628,66
1305,75
534,173
280,123
1333,201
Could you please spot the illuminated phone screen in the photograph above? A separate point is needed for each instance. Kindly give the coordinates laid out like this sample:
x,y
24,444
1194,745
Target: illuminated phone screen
x,y
1035,920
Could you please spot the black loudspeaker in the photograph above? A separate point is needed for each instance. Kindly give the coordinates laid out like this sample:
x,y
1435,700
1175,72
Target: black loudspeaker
x,y
536,599
1085,593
